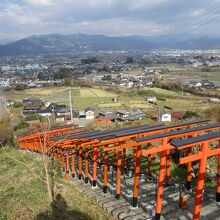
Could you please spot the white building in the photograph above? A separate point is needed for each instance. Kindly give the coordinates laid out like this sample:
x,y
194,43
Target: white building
x,y
4,84
6,68
90,113
151,99
165,117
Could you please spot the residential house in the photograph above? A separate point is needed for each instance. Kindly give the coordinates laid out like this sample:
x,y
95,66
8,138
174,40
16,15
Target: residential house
x,y
31,101
47,104
148,83
214,100
194,84
106,116
207,84
151,99
135,114
10,103
89,113
130,84
122,114
104,113
75,113
32,85
82,114
61,114
176,116
165,117
4,84
45,112
54,106
30,109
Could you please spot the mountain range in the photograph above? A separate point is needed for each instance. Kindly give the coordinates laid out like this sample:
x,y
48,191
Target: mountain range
x,y
58,43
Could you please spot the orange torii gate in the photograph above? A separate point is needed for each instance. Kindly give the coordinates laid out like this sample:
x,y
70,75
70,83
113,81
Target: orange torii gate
x,y
120,144
164,150
73,142
78,142
94,141
34,140
119,138
203,155
82,138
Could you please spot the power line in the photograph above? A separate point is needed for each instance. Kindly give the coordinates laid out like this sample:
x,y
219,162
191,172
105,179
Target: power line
x,y
196,21
188,22
196,26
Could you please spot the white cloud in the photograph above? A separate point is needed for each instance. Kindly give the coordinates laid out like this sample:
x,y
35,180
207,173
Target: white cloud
x,y
39,2
118,27
139,4
197,12
112,17
98,3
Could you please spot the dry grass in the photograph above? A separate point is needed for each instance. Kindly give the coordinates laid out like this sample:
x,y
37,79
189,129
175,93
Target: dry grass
x,y
36,92
87,92
110,105
24,197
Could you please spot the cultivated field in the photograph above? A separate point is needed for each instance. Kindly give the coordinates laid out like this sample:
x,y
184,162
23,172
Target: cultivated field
x,y
36,92
101,99
188,74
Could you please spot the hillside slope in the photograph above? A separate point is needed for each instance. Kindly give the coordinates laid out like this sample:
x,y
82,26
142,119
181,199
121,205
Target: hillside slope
x,y
23,195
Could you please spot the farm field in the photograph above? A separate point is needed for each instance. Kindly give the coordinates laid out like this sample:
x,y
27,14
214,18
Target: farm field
x,y
36,92
163,92
81,98
101,99
189,75
86,92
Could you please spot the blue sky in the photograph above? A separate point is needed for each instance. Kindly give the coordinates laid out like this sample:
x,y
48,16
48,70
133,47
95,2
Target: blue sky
x,y
21,18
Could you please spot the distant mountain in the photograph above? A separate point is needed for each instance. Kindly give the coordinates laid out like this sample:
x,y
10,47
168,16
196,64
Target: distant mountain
x,y
6,41
57,43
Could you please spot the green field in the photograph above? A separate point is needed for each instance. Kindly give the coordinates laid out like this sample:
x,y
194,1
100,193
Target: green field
x,y
212,78
163,92
101,99
81,98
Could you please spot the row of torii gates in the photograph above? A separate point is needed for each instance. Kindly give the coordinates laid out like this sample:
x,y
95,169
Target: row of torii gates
x,y
198,139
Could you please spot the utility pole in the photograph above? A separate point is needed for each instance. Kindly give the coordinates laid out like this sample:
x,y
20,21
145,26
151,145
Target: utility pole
x,y
158,114
158,108
3,105
181,83
71,107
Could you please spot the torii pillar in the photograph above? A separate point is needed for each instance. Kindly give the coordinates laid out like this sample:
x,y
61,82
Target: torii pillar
x,y
218,179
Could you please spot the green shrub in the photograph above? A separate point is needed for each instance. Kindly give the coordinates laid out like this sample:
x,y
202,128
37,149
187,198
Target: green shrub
x,y
167,107
32,117
20,87
21,125
189,114
17,105
143,92
3,217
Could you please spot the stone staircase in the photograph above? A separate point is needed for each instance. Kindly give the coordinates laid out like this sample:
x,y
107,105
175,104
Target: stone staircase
x,y
122,208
